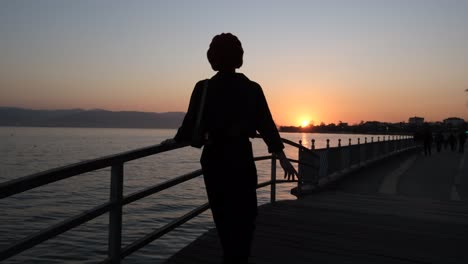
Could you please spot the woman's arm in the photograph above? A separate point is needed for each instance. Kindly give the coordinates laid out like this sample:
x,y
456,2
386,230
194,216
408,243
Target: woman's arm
x,y
264,122
267,128
184,133
289,170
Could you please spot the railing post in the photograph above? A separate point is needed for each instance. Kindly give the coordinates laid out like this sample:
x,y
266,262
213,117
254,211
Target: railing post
x,y
340,156
350,153
273,180
115,213
360,152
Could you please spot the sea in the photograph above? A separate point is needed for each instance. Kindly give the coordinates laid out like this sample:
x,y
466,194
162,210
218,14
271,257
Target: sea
x,y
28,150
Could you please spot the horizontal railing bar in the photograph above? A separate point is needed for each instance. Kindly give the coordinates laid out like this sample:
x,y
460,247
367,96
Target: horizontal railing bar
x,y
286,181
292,160
303,163
42,178
367,143
160,187
163,230
57,229
299,146
263,184
294,144
263,158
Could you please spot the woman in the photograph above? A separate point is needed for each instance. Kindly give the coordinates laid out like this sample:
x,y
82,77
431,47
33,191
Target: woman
x,y
234,109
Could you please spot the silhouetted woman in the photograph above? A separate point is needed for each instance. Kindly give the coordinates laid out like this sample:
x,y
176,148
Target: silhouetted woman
x,y
235,108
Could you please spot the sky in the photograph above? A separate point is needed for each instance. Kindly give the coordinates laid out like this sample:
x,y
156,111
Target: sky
x,y
317,61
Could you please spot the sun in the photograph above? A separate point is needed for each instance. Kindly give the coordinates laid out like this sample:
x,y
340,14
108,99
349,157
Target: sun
x,y
305,123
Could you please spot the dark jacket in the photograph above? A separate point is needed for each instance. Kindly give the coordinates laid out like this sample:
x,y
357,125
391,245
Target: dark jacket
x,y
235,109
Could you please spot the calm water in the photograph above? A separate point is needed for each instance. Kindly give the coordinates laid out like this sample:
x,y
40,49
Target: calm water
x,y
29,150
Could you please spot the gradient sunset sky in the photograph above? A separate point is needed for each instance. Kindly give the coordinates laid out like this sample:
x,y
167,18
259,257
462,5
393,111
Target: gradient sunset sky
x,y
323,61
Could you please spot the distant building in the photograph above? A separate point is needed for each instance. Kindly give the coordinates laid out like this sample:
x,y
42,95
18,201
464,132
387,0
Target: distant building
x,y
418,121
454,121
342,124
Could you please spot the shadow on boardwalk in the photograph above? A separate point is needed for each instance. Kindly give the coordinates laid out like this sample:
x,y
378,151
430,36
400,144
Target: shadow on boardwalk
x,y
339,226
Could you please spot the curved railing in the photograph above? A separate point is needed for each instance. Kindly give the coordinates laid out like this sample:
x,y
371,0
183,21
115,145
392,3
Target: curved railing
x,y
331,163
116,200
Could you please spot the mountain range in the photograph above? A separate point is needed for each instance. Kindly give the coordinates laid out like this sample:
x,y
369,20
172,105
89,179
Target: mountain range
x,y
13,116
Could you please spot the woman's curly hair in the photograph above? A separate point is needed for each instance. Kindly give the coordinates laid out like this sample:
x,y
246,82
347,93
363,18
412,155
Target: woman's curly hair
x,y
225,52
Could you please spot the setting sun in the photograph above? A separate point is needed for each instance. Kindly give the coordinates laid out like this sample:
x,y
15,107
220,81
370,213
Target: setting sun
x,y
305,123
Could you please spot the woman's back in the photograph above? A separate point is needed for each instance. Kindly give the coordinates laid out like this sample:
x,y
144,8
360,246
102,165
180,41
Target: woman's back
x,y
230,106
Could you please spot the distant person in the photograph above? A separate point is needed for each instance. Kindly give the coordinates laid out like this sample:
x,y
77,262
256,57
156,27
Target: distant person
x,y
461,141
446,140
439,138
452,141
427,139
418,138
235,108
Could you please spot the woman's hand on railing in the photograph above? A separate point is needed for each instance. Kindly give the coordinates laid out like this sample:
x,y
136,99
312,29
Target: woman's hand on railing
x,y
289,170
168,142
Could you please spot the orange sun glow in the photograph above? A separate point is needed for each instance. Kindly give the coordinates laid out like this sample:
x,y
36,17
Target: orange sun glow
x,y
305,123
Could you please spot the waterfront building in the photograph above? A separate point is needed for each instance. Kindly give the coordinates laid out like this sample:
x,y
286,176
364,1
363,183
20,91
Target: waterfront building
x,y
454,121
418,121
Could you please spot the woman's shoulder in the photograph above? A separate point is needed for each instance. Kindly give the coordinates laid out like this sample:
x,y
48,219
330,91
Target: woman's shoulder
x,y
201,82
251,83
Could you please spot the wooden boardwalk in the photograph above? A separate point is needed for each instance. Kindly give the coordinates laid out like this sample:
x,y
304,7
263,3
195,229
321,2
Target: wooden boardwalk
x,y
338,226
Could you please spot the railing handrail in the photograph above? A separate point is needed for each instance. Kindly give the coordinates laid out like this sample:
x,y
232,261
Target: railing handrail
x,y
117,200
336,162
35,180
31,181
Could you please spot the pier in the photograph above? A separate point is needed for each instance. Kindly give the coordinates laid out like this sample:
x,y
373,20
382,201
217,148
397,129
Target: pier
x,y
374,201
407,209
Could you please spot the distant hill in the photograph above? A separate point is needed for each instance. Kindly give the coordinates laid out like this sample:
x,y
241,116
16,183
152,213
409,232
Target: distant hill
x,y
11,116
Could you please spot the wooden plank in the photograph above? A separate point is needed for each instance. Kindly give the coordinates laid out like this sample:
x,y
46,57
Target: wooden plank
x,y
349,228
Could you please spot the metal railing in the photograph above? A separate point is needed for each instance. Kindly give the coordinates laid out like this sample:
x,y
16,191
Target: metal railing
x,y
331,163
117,200
314,166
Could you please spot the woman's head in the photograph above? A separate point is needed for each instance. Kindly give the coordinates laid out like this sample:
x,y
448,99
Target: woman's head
x,y
225,52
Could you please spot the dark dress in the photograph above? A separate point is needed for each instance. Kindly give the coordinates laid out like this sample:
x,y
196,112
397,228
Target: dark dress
x,y
235,109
